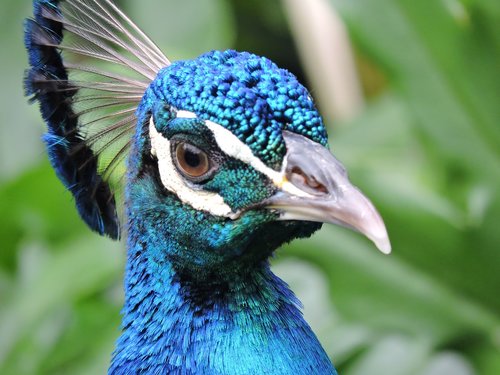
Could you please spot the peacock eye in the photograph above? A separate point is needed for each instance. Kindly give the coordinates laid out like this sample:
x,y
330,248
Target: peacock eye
x,y
191,161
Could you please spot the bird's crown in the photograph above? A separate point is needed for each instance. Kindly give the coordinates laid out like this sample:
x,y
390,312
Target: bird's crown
x,y
248,95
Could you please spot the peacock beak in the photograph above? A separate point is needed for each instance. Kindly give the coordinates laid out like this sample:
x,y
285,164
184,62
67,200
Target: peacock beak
x,y
316,188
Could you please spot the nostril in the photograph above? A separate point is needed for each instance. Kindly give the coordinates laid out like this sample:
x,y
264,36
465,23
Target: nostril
x,y
313,183
297,176
300,179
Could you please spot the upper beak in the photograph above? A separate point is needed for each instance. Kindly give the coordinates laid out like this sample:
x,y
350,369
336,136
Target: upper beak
x,y
316,188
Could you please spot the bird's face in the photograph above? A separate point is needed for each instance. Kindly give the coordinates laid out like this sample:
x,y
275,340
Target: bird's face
x,y
241,161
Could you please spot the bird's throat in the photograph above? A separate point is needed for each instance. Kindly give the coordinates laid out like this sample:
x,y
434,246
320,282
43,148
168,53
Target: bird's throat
x,y
236,323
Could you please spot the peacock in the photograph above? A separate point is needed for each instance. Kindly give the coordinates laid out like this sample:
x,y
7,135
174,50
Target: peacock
x,y
207,166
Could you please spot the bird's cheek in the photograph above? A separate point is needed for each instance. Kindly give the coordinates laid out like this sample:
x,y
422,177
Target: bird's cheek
x,y
241,188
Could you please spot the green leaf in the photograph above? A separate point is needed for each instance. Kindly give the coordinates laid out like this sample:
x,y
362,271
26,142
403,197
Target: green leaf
x,y
86,267
393,355
443,70
36,205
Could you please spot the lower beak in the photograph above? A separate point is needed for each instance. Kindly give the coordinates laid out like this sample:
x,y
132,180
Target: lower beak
x,y
316,188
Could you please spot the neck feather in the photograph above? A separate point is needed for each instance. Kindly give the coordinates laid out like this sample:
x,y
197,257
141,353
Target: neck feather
x,y
248,325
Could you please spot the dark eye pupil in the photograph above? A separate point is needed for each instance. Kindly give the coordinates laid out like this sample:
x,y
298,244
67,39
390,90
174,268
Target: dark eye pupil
x,y
192,158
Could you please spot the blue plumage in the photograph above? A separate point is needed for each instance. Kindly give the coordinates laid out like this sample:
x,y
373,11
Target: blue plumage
x,y
226,160
176,322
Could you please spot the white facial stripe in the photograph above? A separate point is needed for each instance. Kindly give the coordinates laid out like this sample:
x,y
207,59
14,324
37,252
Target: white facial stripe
x,y
174,182
233,147
185,114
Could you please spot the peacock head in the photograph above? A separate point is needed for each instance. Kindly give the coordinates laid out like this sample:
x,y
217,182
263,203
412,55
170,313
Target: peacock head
x,y
231,160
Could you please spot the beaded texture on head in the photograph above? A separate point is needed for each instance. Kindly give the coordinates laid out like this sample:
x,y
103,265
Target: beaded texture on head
x,y
248,95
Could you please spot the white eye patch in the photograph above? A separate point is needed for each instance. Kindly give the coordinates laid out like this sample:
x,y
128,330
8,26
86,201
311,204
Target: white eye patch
x,y
233,147
174,182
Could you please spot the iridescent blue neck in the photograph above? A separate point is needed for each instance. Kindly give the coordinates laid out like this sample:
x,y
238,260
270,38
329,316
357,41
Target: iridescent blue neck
x,y
168,332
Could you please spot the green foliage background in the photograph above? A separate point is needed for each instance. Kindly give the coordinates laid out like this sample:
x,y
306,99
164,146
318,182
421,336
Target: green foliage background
x,y
426,149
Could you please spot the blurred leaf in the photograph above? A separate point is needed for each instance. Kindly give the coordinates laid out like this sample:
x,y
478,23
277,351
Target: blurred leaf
x,y
86,267
448,363
35,205
487,359
20,124
391,356
433,60
365,286
80,347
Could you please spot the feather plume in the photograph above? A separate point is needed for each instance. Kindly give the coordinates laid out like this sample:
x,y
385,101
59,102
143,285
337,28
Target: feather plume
x,y
90,66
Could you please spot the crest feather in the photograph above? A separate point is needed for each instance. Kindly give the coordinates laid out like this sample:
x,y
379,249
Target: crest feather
x,y
89,68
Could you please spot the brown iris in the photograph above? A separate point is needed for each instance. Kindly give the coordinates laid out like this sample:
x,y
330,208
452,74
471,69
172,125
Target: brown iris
x,y
191,161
